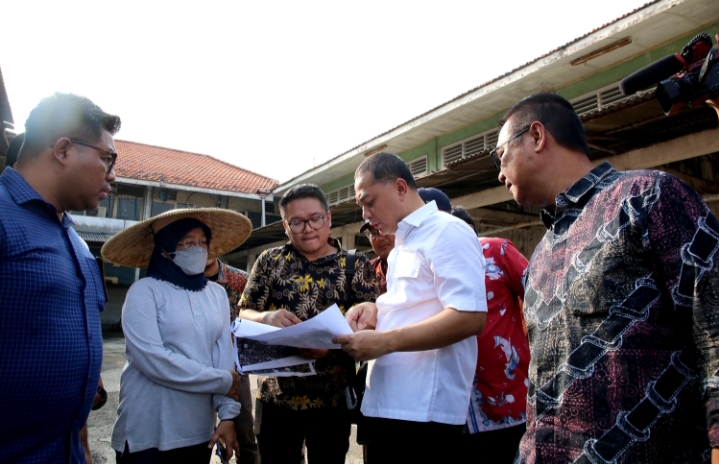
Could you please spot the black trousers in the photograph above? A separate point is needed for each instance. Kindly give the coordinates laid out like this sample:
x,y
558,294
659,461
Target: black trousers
x,y
324,431
501,445
195,454
244,426
395,441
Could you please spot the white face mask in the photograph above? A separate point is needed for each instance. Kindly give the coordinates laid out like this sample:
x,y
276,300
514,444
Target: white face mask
x,y
191,260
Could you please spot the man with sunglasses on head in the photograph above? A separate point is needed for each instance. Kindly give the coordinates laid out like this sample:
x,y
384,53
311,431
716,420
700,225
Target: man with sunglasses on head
x,y
51,291
621,301
291,284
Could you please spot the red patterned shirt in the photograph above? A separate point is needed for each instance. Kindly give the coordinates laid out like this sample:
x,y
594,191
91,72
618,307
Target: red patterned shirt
x,y
379,270
499,392
233,280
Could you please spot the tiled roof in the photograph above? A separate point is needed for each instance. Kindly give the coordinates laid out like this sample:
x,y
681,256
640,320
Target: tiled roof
x,y
157,164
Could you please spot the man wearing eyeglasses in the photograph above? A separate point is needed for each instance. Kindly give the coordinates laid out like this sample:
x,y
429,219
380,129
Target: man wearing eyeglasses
x,y
621,301
51,292
291,284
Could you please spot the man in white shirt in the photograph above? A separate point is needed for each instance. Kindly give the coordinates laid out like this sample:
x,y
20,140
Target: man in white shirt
x,y
423,343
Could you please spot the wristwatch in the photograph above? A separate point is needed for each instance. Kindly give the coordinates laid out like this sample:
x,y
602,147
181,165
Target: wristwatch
x,y
103,398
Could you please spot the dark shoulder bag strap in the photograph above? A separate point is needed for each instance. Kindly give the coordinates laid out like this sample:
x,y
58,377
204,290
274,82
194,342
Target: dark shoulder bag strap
x,y
349,276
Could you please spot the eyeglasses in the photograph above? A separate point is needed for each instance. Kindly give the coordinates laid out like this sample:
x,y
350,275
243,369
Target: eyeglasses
x,y
298,226
496,155
189,243
372,233
109,164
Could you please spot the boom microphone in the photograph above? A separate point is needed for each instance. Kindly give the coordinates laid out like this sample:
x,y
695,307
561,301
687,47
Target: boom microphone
x,y
648,76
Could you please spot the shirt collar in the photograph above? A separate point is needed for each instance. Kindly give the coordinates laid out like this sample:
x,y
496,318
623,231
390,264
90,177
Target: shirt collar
x,y
21,193
574,194
415,218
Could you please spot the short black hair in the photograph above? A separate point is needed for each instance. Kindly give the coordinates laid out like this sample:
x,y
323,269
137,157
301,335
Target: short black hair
x,y
461,213
386,167
557,115
13,151
303,191
65,115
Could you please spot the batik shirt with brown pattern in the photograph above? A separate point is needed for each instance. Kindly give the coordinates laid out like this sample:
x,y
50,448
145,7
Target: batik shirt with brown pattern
x,y
284,279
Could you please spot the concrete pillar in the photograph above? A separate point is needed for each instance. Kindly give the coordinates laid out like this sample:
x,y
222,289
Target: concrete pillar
x,y
147,209
348,239
251,258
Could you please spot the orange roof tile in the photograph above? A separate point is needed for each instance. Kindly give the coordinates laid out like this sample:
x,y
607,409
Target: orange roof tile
x,y
157,164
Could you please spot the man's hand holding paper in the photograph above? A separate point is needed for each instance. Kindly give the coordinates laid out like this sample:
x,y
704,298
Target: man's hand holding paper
x,y
280,318
363,316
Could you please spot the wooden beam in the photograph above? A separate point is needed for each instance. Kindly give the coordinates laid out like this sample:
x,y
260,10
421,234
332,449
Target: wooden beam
x,y
697,183
506,217
514,227
688,146
706,198
485,197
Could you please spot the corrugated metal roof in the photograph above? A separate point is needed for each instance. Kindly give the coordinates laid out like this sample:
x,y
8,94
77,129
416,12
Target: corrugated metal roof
x,y
617,105
97,237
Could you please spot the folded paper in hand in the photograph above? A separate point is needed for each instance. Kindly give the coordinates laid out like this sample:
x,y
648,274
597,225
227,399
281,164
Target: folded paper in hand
x,y
317,332
253,355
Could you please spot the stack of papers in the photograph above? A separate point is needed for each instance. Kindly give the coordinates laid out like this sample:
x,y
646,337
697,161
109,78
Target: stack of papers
x,y
267,350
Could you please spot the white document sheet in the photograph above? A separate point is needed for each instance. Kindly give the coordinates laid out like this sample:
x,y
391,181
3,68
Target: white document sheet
x,y
317,332
248,329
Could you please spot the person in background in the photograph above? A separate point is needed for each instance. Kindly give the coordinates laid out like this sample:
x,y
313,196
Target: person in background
x,y
233,280
180,374
429,194
381,245
621,300
13,151
291,284
498,402
51,291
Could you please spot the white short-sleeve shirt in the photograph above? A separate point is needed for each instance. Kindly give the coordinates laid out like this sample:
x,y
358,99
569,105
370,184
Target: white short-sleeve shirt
x,y
437,263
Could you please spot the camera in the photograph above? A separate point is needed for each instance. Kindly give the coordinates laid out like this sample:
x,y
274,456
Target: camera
x,y
682,79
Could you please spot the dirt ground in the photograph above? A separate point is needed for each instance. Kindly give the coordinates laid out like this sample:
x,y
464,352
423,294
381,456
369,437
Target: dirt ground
x,y
101,421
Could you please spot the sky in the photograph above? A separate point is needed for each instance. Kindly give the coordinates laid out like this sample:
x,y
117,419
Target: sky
x,y
275,87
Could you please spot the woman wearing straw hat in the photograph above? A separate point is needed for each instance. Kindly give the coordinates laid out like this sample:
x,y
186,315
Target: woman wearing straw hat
x,y
179,374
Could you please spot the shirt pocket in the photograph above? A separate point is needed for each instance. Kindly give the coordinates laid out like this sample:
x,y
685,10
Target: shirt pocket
x,y
407,264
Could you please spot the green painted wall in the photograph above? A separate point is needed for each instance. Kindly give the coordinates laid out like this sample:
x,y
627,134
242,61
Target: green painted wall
x,y
339,183
433,147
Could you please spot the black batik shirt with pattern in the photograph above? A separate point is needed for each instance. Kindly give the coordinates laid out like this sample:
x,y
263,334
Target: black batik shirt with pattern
x,y
284,279
622,307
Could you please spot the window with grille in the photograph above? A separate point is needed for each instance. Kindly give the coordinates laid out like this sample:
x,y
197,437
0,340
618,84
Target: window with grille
x,y
594,101
418,167
470,147
340,195
600,99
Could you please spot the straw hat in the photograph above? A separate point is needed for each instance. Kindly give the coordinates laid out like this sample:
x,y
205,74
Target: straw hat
x,y
133,246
